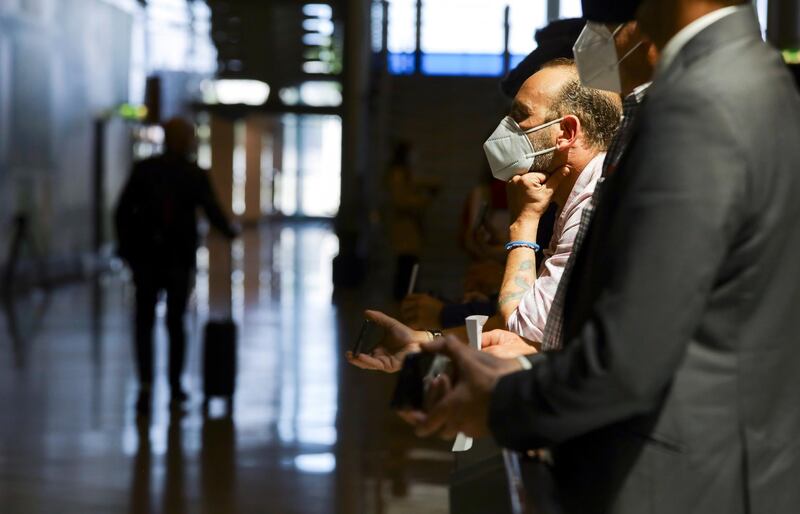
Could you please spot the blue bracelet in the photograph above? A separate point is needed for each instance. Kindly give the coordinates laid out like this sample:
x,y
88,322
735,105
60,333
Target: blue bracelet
x,y
523,244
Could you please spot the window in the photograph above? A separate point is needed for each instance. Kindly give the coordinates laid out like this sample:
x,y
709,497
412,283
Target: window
x,y
761,7
462,37
570,9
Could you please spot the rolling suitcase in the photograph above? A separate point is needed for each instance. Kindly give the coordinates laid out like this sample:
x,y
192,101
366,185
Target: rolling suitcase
x,y
219,360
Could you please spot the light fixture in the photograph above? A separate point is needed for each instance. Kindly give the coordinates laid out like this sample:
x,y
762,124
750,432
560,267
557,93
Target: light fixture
x,y
235,91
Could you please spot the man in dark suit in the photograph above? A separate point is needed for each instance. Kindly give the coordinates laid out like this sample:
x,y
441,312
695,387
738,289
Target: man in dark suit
x,y
676,390
156,221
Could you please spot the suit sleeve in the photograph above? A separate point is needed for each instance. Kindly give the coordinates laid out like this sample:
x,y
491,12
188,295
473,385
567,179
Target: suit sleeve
x,y
682,205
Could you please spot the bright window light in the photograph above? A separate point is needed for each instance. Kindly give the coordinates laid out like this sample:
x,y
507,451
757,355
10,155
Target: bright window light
x,y
316,67
402,26
321,27
235,91
321,93
571,9
474,45
318,10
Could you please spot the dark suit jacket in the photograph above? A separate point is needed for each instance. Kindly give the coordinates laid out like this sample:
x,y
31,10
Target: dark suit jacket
x,y
156,217
678,389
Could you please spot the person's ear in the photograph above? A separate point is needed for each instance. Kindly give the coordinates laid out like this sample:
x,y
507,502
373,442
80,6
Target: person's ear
x,y
652,53
568,136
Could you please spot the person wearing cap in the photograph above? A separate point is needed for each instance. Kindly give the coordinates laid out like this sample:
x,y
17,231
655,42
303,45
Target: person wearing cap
x,y
675,389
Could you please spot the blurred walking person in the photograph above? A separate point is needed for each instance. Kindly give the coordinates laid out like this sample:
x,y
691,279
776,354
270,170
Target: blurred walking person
x,y
156,222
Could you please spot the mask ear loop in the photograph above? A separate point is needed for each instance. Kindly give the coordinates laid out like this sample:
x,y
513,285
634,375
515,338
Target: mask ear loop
x,y
542,127
627,54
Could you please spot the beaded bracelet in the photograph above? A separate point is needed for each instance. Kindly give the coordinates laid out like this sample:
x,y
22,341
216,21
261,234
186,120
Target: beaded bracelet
x,y
523,244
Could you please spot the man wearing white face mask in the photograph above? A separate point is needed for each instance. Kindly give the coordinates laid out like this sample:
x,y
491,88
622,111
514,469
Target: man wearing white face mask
x,y
613,57
551,149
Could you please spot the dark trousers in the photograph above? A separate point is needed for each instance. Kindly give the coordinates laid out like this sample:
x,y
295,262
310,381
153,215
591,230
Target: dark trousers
x,y
177,285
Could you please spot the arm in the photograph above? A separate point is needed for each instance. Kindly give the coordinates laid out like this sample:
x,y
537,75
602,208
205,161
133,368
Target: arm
x,y
400,340
124,216
529,318
677,214
520,273
529,196
208,201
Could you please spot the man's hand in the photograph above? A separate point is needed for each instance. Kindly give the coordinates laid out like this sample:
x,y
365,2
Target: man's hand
x,y
421,311
506,345
460,404
398,341
529,195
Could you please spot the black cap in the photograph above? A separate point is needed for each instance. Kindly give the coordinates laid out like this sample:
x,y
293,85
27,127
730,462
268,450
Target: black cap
x,y
610,11
553,41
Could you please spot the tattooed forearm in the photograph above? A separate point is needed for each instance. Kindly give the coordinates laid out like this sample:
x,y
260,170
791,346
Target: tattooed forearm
x,y
516,284
527,265
505,299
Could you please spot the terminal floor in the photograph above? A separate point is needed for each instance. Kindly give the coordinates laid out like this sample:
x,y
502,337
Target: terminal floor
x,y
306,433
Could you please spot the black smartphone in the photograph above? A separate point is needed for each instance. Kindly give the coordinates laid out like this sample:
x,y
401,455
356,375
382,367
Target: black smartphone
x,y
368,337
418,370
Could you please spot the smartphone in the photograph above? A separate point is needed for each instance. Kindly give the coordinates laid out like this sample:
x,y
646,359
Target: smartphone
x,y
368,337
418,370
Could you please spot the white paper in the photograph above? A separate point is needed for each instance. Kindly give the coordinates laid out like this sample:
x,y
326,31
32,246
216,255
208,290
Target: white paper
x,y
412,283
474,333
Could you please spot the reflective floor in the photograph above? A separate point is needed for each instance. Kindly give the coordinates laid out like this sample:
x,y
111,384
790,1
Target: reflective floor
x,y
306,433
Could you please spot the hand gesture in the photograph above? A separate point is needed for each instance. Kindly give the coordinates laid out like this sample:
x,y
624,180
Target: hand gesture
x,y
460,404
506,345
398,341
529,195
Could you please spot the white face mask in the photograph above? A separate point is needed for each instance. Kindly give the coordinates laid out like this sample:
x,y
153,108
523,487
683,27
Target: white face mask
x,y
596,57
510,151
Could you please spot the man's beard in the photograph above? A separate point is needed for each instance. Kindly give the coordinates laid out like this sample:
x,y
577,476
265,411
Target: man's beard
x,y
543,163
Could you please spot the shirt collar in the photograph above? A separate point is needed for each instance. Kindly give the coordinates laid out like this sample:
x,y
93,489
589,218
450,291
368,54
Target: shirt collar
x,y
638,93
687,33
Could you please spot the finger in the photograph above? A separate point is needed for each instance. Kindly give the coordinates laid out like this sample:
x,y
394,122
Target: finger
x,y
412,417
380,318
491,338
499,337
554,180
535,179
450,346
496,350
365,361
437,390
436,418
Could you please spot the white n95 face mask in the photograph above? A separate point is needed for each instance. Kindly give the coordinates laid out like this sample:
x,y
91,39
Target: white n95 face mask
x,y
596,57
510,151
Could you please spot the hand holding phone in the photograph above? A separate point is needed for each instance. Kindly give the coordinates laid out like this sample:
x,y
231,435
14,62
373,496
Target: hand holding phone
x,y
418,370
